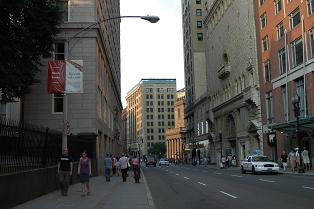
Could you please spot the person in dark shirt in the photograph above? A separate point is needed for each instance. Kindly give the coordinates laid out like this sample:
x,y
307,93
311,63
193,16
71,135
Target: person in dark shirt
x,y
284,159
65,167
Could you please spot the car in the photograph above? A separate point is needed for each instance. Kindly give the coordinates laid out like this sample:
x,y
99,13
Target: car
x,y
163,161
259,164
151,161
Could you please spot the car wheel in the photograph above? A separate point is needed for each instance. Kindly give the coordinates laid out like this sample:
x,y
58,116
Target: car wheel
x,y
253,170
242,170
155,165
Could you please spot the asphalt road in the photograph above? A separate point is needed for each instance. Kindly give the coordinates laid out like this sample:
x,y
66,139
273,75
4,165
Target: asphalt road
x,y
188,187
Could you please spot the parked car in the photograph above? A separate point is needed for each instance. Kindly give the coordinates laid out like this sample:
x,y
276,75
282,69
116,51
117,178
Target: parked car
x,y
151,161
259,164
164,161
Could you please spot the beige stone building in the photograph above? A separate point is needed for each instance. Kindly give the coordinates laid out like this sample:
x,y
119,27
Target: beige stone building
x,y
150,113
175,137
94,114
232,77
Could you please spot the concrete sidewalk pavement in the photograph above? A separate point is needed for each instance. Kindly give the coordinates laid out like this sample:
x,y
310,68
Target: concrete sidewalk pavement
x,y
114,194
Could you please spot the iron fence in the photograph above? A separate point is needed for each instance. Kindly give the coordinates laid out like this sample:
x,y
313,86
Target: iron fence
x,y
26,147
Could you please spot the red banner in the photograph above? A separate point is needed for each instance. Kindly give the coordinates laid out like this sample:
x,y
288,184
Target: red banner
x,y
56,76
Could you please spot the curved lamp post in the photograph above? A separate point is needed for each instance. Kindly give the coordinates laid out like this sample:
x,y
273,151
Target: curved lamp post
x,y
150,18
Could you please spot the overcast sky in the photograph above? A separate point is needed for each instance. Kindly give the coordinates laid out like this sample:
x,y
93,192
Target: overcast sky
x,y
151,50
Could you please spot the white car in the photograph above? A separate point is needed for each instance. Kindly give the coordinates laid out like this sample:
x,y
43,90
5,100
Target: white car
x,y
259,164
164,161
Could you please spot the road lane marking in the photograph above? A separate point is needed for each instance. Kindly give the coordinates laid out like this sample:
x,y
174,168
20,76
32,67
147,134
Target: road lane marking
x,y
186,177
205,171
305,187
230,195
177,174
269,181
167,170
201,183
237,176
218,173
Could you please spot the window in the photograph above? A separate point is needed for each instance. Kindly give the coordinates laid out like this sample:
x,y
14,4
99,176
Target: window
x,y
297,52
312,41
59,51
265,43
294,18
57,100
267,71
269,107
198,12
2,109
199,24
282,61
278,6
63,6
280,30
310,6
300,92
263,20
261,2
200,36
284,101
198,1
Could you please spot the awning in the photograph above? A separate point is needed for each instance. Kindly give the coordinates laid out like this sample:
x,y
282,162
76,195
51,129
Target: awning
x,y
305,124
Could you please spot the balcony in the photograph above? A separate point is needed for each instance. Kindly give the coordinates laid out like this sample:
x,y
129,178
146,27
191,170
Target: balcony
x,y
224,72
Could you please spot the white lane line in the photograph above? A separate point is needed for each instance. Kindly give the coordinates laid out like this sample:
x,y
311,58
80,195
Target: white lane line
x,y
177,174
205,171
230,195
269,181
201,183
305,187
218,173
237,176
186,177
167,170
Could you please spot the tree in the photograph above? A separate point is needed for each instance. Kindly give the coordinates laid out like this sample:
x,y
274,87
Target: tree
x,y
28,31
157,149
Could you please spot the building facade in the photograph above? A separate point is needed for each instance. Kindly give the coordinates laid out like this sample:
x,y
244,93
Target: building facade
x,y
232,77
193,13
175,137
285,40
150,107
96,113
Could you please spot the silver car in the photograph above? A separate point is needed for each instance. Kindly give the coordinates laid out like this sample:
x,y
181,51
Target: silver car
x,y
163,161
259,164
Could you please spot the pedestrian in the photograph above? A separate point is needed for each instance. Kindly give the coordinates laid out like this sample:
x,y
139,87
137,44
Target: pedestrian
x,y
284,157
306,159
108,166
118,169
114,168
84,170
136,168
124,166
65,167
292,159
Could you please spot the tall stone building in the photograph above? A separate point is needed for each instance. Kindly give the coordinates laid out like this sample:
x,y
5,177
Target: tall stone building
x,y
193,13
175,137
285,39
94,114
232,78
150,107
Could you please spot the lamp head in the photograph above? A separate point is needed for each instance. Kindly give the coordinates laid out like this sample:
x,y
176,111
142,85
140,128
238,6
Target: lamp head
x,y
150,18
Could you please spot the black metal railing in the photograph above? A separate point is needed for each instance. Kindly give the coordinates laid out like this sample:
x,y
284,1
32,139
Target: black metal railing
x,y
26,147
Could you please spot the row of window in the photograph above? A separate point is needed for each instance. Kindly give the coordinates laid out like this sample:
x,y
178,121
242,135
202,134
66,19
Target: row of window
x,y
159,103
160,109
297,57
299,83
159,90
159,117
159,96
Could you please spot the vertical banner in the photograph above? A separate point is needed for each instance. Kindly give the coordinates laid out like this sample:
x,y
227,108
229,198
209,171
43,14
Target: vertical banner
x,y
56,76
74,76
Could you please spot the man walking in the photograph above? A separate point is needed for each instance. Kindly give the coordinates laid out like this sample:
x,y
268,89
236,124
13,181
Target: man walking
x,y
65,167
108,166
123,161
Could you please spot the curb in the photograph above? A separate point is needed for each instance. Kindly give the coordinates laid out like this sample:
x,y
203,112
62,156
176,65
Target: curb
x,y
149,195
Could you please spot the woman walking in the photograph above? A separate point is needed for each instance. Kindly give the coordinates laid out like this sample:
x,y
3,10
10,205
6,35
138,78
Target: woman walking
x,y
84,171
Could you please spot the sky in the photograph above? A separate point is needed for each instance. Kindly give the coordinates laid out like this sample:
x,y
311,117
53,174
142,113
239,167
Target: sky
x,y
151,50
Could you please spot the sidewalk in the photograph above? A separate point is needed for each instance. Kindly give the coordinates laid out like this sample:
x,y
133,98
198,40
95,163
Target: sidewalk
x,y
114,194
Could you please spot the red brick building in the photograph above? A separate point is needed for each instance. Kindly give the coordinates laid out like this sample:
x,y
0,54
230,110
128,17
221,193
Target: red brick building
x,y
285,40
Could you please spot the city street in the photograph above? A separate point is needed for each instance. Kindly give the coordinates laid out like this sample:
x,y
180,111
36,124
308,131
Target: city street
x,y
186,187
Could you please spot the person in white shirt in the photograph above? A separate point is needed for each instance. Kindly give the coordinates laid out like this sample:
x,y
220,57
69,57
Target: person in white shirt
x,y
123,161
306,159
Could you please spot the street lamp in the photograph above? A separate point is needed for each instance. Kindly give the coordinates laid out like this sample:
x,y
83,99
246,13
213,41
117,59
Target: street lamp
x,y
220,139
150,18
296,107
